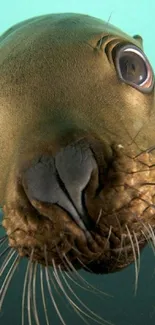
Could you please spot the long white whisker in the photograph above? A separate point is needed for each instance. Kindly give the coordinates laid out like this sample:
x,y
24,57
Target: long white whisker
x,y
4,238
24,287
74,306
152,234
77,309
84,281
7,280
4,251
81,302
29,296
7,260
135,259
76,273
43,295
76,283
71,268
138,254
49,289
34,294
149,238
29,291
120,252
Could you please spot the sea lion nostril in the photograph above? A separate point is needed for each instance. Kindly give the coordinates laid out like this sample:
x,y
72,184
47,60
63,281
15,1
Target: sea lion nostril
x,y
61,180
75,163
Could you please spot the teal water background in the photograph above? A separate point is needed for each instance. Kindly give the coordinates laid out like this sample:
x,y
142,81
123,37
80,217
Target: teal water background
x,y
134,17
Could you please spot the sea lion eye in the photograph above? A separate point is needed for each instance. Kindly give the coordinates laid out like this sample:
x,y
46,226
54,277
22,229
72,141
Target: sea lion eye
x,y
133,67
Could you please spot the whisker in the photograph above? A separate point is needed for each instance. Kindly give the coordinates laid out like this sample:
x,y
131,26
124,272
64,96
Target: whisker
x,y
24,287
147,230
5,237
84,281
135,259
7,280
34,294
56,286
7,260
43,295
138,254
49,288
150,149
29,291
81,302
120,252
4,251
74,306
106,29
76,283
77,309
3,240
147,238
99,217
150,240
71,276
84,266
70,268
107,240
152,234
53,283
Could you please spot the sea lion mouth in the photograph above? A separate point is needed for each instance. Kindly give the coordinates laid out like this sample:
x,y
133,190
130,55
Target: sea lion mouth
x,y
94,206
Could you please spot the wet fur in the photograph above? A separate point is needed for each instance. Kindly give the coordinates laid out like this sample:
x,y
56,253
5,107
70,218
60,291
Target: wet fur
x,y
123,231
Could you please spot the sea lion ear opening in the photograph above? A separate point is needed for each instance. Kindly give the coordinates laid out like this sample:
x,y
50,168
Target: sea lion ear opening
x,y
139,39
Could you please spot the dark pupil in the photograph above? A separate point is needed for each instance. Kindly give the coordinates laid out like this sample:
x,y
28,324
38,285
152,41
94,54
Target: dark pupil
x,y
133,68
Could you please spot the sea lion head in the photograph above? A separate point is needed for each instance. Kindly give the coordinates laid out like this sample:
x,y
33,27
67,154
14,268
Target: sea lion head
x,y
77,145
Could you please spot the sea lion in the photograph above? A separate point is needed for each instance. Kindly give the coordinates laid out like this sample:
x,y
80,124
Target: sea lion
x,y
77,144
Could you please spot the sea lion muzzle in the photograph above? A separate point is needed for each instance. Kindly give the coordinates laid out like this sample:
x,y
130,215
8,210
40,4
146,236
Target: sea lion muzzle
x,y
77,162
86,199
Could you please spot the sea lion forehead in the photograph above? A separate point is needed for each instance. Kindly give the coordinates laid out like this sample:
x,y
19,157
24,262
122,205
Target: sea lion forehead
x,y
69,27
85,27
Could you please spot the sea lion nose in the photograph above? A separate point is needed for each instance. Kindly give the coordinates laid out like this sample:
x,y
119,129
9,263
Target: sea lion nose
x,y
62,179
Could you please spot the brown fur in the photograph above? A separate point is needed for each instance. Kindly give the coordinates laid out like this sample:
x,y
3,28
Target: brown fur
x,y
57,87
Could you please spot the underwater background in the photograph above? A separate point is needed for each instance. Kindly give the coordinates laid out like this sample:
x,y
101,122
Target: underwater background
x,y
122,306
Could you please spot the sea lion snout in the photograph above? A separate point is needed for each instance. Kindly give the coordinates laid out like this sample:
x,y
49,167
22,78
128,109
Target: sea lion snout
x,y
62,179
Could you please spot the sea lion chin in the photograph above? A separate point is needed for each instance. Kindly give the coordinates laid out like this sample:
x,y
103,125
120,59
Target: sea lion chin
x,y
77,143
